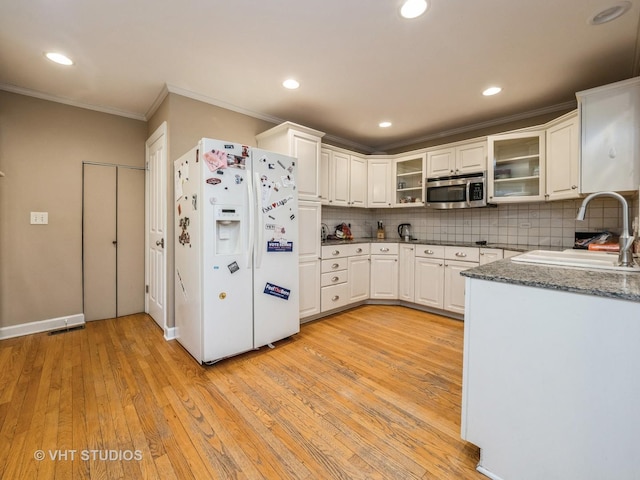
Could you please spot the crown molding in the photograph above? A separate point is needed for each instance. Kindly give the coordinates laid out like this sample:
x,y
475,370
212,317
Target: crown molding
x,y
222,104
67,101
481,125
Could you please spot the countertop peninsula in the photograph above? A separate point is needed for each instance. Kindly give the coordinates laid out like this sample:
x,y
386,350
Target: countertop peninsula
x,y
620,285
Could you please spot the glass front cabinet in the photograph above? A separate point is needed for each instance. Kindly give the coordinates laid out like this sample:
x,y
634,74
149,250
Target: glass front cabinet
x,y
516,167
409,176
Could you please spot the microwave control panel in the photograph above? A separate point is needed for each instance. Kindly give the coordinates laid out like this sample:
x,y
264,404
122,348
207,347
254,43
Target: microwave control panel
x,y
476,191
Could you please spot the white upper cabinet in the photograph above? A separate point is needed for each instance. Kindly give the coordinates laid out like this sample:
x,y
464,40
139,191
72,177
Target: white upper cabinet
x,y
347,178
379,194
609,122
457,160
304,144
358,181
409,176
324,175
563,158
339,175
516,167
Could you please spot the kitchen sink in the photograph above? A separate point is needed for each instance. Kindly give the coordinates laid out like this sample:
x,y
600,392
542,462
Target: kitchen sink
x,y
577,259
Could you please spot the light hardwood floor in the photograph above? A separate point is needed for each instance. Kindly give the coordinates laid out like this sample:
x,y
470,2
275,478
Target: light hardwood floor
x,y
373,392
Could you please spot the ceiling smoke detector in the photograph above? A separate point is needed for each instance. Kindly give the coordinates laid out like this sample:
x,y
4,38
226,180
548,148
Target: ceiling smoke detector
x,y
610,13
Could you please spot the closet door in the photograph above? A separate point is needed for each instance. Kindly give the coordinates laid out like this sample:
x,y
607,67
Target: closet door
x,y
99,241
113,241
130,237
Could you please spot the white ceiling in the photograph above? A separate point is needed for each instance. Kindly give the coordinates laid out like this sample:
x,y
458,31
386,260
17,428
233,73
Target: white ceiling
x,y
357,61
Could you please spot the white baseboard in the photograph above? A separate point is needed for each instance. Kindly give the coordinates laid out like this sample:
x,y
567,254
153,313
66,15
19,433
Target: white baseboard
x,y
41,326
169,333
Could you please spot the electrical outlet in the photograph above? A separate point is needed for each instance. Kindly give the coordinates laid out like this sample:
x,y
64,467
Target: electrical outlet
x,y
39,218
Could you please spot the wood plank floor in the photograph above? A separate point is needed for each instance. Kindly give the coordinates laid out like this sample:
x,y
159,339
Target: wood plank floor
x,y
370,393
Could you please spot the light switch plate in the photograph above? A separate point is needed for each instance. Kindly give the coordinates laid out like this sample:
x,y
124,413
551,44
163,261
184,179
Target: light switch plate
x,y
39,218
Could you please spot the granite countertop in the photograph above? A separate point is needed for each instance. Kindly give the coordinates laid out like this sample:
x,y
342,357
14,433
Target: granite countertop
x,y
416,241
620,285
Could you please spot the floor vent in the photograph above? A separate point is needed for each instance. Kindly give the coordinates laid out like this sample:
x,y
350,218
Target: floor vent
x,y
66,329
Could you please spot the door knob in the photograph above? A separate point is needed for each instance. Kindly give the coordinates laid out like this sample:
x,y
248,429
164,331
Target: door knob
x,y
160,243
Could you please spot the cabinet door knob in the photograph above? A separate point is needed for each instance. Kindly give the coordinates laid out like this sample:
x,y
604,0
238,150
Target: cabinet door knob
x,y
384,249
335,279
335,298
359,250
574,187
335,252
429,252
461,254
335,265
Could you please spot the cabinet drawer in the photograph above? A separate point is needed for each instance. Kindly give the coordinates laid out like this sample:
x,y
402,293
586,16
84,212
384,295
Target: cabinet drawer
x,y
333,265
344,250
384,249
358,249
333,278
466,254
334,296
430,251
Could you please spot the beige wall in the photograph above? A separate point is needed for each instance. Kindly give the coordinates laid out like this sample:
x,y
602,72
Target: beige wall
x,y
42,147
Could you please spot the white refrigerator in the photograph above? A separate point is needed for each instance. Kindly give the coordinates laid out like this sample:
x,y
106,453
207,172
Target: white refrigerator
x,y
236,249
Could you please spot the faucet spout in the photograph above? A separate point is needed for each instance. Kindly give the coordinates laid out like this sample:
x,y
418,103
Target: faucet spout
x,y
625,241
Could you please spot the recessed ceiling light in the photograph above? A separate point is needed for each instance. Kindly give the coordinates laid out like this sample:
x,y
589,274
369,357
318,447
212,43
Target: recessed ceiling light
x,y
491,91
291,84
59,58
384,124
610,13
413,8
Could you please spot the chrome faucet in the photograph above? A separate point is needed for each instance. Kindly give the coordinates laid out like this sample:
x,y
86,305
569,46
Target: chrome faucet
x,y
625,257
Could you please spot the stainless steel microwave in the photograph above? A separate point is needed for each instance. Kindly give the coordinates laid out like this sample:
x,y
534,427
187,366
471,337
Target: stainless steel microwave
x,y
460,191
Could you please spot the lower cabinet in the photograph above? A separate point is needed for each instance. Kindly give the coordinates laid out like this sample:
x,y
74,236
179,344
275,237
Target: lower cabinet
x,y
358,268
456,260
384,271
488,255
438,283
454,284
345,275
429,282
406,281
309,219
427,275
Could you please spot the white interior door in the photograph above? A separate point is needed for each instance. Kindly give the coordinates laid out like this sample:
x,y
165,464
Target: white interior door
x,y
156,226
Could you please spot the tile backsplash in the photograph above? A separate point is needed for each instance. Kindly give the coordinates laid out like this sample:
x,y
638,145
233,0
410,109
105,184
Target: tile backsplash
x,y
532,224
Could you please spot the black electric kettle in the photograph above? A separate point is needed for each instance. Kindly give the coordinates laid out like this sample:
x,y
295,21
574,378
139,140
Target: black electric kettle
x,y
404,230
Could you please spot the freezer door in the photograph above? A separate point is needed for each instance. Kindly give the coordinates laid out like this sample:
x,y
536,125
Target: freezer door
x,y
275,276
227,313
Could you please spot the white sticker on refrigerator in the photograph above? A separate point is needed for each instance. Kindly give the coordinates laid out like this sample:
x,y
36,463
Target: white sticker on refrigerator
x,y
277,204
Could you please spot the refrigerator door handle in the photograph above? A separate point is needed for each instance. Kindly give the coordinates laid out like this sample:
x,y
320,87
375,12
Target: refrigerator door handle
x,y
251,215
260,218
